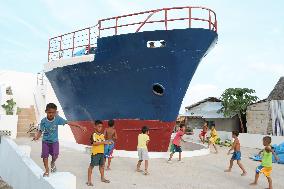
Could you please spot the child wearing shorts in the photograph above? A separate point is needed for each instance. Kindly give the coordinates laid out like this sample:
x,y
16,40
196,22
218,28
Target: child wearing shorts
x,y
110,136
142,148
49,129
237,153
266,162
176,146
97,157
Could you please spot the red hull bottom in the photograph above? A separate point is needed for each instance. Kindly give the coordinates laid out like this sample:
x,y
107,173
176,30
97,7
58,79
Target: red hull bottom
x,y
128,130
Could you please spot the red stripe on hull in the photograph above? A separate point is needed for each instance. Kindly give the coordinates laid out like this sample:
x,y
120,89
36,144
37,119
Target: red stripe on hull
x,y
128,130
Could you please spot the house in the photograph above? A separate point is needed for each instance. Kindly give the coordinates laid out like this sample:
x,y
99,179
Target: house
x,y
207,110
267,116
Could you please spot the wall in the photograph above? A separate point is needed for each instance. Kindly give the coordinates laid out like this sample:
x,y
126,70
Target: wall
x,y
258,118
246,139
228,124
21,172
22,84
222,124
9,122
194,122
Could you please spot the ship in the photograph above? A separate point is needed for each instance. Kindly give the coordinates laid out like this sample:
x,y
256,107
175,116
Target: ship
x,y
134,69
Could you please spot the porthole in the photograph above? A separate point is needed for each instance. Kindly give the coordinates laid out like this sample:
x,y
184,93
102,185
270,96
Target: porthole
x,y
158,89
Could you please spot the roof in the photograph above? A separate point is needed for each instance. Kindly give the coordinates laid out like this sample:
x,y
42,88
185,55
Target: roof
x,y
209,99
260,101
278,92
207,108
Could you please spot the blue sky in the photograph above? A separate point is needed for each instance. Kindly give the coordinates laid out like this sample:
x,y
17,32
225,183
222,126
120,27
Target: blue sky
x,y
248,54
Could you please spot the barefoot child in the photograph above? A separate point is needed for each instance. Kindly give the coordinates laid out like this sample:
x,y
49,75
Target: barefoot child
x,y
97,157
143,140
237,153
203,133
111,136
176,146
266,162
213,138
49,129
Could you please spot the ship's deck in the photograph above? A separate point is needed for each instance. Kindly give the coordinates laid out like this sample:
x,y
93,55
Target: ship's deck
x,y
196,172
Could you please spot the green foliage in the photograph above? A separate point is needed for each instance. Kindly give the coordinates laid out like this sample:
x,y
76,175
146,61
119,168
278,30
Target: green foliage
x,y
9,107
236,100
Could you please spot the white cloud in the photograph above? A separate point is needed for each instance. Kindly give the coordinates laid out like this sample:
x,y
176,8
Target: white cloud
x,y
199,92
273,68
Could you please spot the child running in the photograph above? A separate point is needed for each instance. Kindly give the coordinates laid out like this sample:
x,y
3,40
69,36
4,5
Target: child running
x,y
110,136
237,153
97,157
266,162
49,129
203,133
142,148
213,138
176,146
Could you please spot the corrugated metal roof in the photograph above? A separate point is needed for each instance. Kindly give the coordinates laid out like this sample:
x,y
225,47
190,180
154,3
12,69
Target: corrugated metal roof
x,y
206,109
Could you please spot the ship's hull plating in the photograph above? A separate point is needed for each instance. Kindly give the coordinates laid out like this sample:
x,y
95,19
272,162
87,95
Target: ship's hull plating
x,y
118,84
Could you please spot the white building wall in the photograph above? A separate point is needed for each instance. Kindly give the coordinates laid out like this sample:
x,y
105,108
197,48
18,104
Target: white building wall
x,y
21,172
23,86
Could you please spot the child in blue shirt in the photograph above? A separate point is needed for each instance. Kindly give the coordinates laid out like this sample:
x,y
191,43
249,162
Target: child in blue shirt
x,y
49,130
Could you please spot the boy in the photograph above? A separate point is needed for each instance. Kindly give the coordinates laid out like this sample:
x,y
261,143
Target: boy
x,y
111,136
213,138
143,140
97,157
266,162
237,153
203,133
49,129
176,146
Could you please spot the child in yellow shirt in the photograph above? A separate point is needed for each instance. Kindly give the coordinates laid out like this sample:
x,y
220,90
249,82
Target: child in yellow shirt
x,y
97,157
143,140
213,138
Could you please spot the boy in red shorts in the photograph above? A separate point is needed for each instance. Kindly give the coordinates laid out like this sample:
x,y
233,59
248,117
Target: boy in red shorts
x,y
203,133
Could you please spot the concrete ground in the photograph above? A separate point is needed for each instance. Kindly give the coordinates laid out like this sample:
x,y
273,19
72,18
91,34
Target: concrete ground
x,y
204,172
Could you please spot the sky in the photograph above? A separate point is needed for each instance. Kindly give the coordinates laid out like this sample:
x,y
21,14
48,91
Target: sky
x,y
248,53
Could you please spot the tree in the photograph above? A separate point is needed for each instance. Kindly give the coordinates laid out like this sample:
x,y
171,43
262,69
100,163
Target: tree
x,y
235,102
9,107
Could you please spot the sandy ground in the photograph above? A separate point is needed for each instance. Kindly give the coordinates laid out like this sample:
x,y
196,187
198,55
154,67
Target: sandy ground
x,y
197,172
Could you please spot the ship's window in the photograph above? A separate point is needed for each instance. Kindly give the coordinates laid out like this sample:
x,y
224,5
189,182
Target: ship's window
x,y
158,89
156,44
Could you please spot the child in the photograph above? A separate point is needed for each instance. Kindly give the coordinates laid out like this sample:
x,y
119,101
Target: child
x,y
49,129
237,153
111,136
203,133
176,146
213,138
143,140
97,157
266,162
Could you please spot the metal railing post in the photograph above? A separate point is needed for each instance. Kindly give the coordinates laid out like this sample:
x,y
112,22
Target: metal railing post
x,y
209,19
48,50
73,45
60,47
189,17
89,45
166,19
116,19
99,28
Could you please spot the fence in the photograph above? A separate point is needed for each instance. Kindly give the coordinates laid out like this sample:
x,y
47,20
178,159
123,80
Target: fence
x,y
84,41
